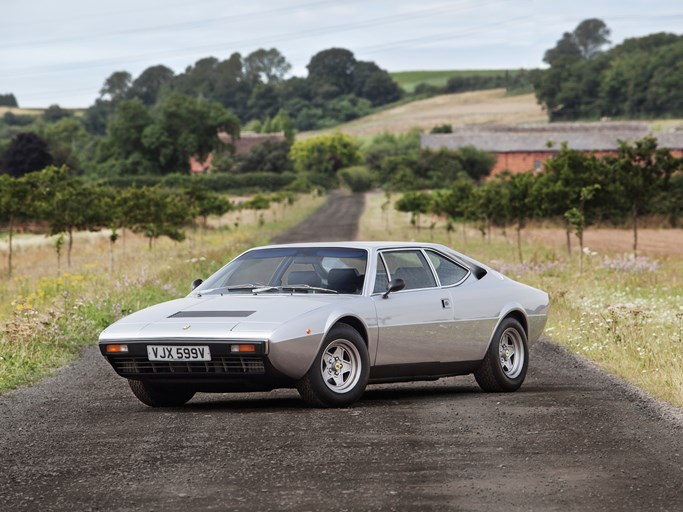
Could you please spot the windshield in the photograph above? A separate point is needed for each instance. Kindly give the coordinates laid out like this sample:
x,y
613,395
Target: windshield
x,y
293,270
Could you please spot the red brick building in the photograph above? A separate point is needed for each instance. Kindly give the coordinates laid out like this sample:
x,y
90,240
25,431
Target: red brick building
x,y
520,148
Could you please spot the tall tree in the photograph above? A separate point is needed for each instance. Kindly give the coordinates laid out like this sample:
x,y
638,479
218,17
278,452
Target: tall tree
x,y
591,36
148,85
331,72
26,152
116,86
266,66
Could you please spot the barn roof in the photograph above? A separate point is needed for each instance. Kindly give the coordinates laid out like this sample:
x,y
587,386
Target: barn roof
x,y
604,136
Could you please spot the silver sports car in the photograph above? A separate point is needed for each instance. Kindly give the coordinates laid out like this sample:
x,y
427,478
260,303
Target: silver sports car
x,y
328,319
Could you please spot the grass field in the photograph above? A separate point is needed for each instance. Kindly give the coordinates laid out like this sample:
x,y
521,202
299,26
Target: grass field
x,y
409,79
624,314
48,313
479,107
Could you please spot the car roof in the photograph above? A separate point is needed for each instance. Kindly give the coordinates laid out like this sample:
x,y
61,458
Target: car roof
x,y
361,245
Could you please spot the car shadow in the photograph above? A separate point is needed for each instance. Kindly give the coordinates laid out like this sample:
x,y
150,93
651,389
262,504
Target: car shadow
x,y
383,395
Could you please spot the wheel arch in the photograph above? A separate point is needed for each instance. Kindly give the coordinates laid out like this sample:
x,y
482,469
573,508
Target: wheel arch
x,y
511,311
520,317
354,322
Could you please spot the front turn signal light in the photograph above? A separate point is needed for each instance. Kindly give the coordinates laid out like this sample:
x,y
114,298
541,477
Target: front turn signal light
x,y
117,349
243,348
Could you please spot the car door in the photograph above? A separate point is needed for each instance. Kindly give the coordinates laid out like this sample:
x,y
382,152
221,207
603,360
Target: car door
x,y
415,325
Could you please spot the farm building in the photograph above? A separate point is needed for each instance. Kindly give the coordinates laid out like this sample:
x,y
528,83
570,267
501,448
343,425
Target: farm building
x,y
521,148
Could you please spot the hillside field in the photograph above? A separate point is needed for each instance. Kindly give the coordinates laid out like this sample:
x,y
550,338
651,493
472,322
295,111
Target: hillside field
x,y
408,80
477,107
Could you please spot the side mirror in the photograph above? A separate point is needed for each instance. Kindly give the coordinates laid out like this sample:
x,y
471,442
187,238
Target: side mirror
x,y
196,283
394,286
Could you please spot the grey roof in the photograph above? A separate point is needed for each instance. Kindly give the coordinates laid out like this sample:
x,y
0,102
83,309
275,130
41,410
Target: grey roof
x,y
603,136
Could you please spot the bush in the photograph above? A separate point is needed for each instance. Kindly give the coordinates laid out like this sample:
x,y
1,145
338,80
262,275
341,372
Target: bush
x,y
224,182
358,178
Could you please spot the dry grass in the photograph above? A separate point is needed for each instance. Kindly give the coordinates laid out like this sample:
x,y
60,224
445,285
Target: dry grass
x,y
47,313
624,314
479,107
22,111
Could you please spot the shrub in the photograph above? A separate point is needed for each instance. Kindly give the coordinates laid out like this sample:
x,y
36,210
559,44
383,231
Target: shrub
x,y
358,178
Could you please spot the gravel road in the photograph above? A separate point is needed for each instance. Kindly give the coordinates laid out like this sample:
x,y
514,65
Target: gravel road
x,y
572,438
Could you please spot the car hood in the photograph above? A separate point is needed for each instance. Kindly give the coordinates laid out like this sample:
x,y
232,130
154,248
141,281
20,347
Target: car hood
x,y
219,317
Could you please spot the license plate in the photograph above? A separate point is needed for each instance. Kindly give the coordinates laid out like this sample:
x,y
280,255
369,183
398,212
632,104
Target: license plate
x,y
178,353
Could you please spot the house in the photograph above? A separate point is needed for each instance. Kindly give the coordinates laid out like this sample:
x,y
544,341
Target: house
x,y
243,145
520,148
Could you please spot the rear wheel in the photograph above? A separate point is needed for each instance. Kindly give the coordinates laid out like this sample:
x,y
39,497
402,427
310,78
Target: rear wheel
x,y
160,395
505,364
340,372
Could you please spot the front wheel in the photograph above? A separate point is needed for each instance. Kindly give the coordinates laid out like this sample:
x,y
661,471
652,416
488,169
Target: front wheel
x,y
505,364
340,371
159,395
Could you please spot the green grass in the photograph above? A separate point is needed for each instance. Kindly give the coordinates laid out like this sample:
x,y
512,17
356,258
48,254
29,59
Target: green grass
x,y
51,317
409,79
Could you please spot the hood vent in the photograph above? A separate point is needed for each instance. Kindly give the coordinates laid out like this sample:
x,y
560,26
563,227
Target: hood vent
x,y
212,314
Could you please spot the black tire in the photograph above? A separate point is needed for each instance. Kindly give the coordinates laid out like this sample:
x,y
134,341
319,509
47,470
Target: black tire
x,y
505,364
340,371
159,395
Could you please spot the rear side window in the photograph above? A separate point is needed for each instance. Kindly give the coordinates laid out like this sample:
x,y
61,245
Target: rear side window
x,y
412,267
449,273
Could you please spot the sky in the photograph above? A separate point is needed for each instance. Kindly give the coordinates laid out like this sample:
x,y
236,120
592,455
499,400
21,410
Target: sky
x,y
61,51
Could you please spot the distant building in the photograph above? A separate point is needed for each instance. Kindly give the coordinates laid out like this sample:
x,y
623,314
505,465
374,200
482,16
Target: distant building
x,y
242,145
520,148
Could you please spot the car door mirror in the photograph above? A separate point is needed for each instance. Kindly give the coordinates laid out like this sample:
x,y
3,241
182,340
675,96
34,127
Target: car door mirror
x,y
196,283
394,286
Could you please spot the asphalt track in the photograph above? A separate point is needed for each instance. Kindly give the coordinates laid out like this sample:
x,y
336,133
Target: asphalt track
x,y
572,438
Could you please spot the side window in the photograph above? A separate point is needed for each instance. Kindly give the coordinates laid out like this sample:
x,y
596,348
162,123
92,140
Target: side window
x,y
412,267
449,273
381,279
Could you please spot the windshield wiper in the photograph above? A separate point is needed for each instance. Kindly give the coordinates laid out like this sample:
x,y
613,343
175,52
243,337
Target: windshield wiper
x,y
223,289
293,287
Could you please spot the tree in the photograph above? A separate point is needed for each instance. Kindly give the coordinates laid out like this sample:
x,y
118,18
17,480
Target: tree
x,y
640,172
116,86
147,86
265,66
576,217
67,204
331,72
164,139
16,203
66,138
585,42
591,36
8,100
54,113
520,201
27,152
155,212
325,154
380,88
268,156
415,203
204,202
567,184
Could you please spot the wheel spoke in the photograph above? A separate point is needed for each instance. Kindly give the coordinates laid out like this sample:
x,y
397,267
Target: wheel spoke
x,y
338,379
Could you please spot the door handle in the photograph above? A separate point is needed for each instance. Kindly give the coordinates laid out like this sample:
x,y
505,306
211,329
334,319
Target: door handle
x,y
446,303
